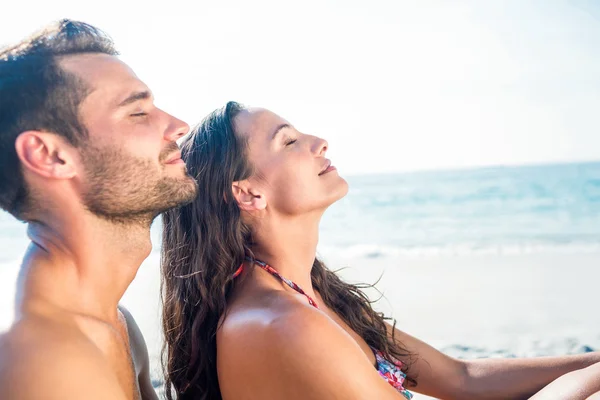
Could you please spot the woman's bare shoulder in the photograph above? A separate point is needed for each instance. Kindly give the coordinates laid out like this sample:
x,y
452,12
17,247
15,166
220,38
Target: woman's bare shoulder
x,y
294,351
267,315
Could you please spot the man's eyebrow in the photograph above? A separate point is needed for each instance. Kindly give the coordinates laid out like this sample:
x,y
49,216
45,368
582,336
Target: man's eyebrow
x,y
280,127
132,98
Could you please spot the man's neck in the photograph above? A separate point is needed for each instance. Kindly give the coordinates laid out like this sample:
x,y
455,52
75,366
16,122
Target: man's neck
x,y
83,264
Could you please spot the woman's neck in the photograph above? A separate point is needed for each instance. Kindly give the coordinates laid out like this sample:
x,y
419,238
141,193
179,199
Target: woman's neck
x,y
290,247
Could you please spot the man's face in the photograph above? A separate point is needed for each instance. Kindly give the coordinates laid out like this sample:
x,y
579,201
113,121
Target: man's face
x,y
131,167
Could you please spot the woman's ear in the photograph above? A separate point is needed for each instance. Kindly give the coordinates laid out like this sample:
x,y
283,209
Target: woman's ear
x,y
247,197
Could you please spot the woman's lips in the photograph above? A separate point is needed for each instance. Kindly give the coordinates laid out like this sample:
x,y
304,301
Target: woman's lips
x,y
328,169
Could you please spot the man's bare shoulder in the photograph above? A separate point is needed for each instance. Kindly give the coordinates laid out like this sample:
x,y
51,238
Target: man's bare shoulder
x,y
42,359
32,334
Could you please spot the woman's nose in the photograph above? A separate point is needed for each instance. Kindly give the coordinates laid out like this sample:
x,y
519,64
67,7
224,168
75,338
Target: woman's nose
x,y
321,146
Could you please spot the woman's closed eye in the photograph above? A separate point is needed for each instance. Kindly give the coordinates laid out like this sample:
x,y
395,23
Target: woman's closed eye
x,y
290,141
139,114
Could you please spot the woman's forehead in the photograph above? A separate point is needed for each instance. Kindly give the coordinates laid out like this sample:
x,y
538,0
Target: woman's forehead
x,y
254,122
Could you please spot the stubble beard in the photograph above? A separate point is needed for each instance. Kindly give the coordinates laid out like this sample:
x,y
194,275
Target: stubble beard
x,y
127,190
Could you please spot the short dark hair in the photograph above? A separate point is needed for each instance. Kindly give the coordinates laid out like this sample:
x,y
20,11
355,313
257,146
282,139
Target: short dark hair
x,y
37,94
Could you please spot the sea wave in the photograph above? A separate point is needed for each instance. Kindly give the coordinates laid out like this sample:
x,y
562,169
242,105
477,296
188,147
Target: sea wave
x,y
370,250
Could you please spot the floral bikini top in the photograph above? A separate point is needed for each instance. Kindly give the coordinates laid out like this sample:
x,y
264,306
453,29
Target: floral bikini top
x,y
389,370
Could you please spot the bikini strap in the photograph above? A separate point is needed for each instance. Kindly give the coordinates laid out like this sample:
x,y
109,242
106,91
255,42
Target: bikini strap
x,y
276,274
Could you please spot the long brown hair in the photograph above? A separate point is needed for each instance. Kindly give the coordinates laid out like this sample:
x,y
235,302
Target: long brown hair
x,y
203,245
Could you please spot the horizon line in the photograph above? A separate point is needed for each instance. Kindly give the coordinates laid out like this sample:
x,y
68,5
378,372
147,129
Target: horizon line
x,y
532,164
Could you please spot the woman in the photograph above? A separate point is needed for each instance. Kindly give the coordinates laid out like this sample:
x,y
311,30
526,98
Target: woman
x,y
251,313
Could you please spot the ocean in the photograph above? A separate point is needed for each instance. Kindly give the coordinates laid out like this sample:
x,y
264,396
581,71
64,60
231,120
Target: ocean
x,y
500,210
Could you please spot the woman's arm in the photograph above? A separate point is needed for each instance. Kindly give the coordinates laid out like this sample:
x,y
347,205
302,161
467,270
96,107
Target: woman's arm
x,y
526,377
595,396
576,385
442,376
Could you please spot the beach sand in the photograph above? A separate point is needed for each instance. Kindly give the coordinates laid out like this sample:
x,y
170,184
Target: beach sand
x,y
466,306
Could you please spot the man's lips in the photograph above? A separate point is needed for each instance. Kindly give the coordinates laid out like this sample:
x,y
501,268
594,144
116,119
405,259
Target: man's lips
x,y
174,159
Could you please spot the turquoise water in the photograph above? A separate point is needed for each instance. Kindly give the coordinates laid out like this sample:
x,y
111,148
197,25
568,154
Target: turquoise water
x,y
487,210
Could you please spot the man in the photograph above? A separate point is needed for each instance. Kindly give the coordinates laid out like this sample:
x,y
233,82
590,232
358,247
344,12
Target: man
x,y
87,161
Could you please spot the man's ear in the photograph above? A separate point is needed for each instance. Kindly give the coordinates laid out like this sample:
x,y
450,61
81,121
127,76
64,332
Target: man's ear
x,y
46,154
247,197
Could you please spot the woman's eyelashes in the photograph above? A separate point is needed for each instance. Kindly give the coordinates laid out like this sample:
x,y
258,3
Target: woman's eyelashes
x,y
139,114
290,141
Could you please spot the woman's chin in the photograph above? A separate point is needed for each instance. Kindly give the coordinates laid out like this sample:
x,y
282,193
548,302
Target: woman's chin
x,y
344,188
340,191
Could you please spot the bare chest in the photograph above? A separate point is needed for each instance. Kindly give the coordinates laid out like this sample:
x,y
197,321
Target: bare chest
x,y
113,342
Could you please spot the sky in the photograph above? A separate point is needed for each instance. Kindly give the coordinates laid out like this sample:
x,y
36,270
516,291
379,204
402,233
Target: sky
x,y
393,85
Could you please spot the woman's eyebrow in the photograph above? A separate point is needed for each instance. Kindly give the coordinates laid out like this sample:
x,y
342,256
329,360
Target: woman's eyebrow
x,y
280,127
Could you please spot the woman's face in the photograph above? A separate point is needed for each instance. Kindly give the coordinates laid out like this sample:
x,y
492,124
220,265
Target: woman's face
x,y
292,171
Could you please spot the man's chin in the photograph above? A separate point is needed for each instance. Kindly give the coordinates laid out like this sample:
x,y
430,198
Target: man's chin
x,y
187,192
143,204
182,199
